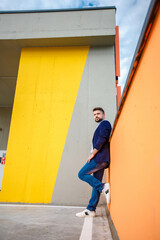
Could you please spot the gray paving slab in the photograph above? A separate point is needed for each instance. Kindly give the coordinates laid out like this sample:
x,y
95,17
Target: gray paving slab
x,y
36,222
101,229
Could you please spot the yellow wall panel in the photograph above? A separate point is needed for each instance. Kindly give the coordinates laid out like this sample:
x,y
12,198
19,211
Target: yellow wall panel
x,y
46,91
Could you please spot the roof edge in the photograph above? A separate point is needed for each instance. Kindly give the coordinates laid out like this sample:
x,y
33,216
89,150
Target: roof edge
x,y
57,10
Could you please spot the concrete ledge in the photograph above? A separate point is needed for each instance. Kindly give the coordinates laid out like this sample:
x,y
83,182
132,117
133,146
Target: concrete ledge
x,y
111,225
57,24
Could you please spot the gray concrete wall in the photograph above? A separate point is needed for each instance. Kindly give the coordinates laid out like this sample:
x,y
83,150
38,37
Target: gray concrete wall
x,y
97,88
7,90
5,117
57,24
95,28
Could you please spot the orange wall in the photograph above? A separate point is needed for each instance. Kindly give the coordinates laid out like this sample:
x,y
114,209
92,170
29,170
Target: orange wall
x,y
135,151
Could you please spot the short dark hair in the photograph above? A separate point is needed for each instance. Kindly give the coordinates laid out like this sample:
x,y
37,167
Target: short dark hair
x,y
98,108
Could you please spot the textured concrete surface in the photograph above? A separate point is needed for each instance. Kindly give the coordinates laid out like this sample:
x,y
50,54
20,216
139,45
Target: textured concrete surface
x,y
97,88
101,229
59,24
32,222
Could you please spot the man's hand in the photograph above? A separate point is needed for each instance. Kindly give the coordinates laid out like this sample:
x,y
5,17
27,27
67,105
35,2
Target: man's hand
x,y
92,155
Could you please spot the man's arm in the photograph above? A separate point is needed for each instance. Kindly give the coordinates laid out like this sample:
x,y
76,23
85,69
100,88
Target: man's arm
x,y
102,138
104,133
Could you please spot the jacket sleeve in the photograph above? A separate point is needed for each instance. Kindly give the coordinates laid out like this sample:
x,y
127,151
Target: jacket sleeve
x,y
104,134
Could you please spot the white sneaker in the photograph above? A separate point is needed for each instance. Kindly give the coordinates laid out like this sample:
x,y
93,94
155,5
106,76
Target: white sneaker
x,y
86,213
106,192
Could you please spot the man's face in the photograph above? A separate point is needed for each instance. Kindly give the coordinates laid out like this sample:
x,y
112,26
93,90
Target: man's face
x,y
98,116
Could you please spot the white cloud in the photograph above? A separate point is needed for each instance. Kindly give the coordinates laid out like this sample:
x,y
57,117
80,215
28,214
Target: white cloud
x,y
130,21
130,16
38,4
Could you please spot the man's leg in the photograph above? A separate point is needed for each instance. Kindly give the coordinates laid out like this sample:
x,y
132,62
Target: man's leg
x,y
95,194
95,181
86,171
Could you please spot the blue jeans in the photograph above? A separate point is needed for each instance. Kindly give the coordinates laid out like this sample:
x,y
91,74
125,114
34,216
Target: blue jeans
x,y
97,169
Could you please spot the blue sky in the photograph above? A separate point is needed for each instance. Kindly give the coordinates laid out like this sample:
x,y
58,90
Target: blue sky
x,y
130,16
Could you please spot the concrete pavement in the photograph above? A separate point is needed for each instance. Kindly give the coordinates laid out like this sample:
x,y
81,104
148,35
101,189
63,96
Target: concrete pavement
x,y
47,222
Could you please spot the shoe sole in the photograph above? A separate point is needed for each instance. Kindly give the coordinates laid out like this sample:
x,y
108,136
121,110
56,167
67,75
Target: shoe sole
x,y
85,215
107,193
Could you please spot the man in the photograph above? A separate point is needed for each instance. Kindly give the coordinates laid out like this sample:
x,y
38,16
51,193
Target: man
x,y
92,171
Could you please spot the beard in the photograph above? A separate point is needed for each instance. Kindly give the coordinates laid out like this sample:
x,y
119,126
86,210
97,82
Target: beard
x,y
98,120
